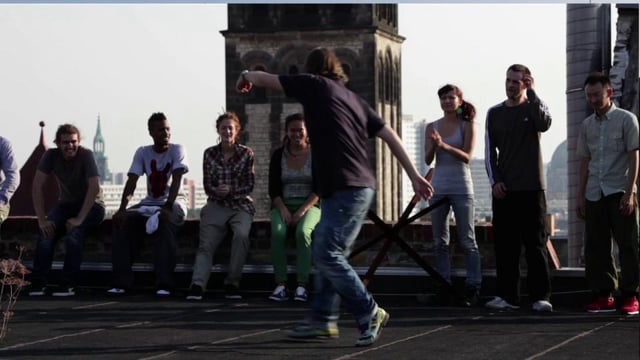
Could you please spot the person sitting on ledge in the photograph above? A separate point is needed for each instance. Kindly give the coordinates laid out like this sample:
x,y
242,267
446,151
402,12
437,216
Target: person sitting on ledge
x,y
228,180
9,177
161,213
295,205
79,208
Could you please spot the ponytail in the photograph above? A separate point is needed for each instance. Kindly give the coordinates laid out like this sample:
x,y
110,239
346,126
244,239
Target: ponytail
x,y
466,111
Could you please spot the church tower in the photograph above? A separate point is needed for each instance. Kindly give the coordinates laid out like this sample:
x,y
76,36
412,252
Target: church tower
x,y
101,158
277,38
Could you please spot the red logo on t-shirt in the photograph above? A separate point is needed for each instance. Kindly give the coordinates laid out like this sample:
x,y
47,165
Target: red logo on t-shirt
x,y
158,179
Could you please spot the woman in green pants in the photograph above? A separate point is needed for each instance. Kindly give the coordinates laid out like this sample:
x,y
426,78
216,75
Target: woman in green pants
x,y
294,205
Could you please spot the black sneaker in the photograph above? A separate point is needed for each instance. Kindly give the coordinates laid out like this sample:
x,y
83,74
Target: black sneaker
x,y
195,292
231,292
470,296
440,298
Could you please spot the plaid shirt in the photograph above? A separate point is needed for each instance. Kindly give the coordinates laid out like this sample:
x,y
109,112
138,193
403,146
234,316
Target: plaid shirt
x,y
238,172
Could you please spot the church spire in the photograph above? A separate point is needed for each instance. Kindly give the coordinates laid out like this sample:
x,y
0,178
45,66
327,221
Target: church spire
x,y
100,156
98,140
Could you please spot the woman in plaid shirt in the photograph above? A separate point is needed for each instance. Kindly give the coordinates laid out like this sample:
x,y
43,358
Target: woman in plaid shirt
x,y
229,178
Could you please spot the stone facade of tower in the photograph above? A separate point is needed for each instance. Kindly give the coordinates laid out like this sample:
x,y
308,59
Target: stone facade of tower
x,y
625,69
589,49
277,38
100,156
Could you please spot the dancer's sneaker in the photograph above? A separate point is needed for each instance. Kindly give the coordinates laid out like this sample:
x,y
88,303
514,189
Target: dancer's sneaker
x,y
370,332
307,331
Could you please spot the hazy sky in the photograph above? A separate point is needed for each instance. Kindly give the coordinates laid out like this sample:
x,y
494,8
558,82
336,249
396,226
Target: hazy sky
x,y
69,63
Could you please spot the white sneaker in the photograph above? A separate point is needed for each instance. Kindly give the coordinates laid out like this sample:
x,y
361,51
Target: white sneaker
x,y
279,294
39,291
301,294
163,292
63,292
542,306
499,303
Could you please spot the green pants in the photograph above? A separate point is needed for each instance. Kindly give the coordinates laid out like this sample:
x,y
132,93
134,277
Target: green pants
x,y
303,231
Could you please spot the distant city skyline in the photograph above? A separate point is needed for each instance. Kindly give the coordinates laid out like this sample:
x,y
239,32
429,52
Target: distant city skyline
x,y
73,62
410,140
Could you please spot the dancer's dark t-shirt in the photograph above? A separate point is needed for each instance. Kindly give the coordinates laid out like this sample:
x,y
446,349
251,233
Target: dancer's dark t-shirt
x,y
340,124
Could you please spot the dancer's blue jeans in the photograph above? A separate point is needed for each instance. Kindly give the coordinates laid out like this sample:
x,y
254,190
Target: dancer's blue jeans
x,y
340,223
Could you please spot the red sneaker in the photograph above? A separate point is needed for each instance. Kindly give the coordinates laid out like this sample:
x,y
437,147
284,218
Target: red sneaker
x,y
630,305
602,304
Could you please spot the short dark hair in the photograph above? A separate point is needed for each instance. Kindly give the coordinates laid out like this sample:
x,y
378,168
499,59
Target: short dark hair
x,y
597,77
156,116
322,61
519,68
66,129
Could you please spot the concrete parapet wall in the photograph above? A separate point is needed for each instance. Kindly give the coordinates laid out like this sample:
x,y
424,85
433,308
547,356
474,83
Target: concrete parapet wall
x,y
23,231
